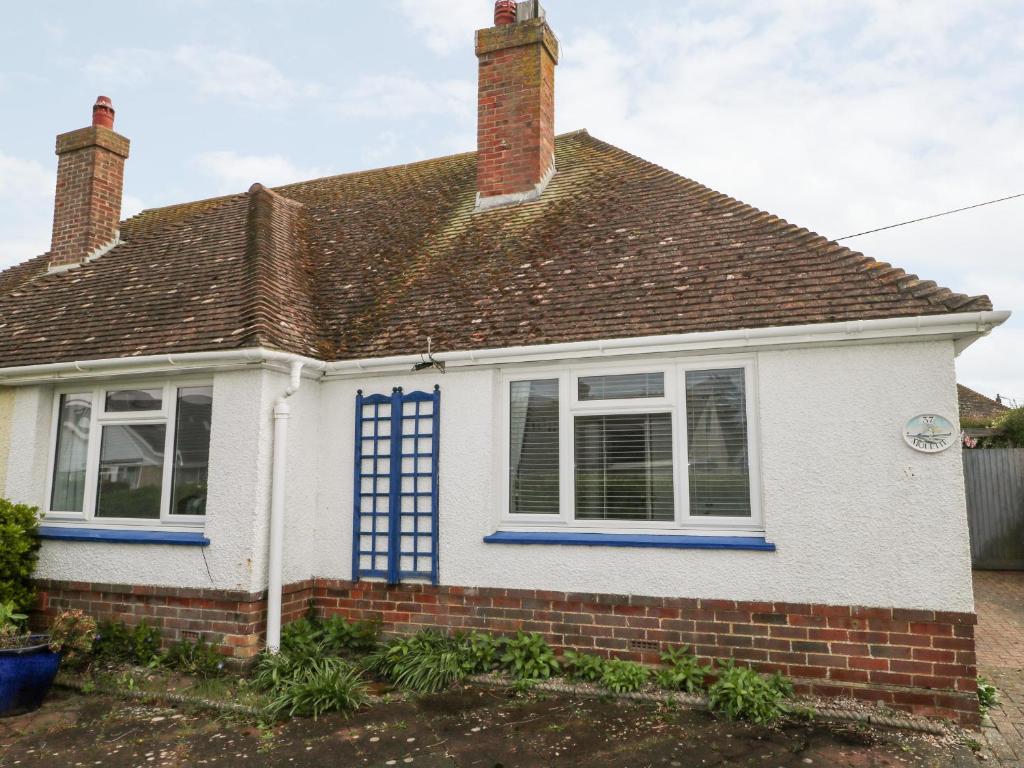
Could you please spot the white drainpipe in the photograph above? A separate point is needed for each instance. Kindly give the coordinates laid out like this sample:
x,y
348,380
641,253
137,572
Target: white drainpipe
x,y
275,567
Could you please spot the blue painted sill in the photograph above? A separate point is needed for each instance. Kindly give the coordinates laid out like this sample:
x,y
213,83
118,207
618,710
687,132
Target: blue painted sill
x,y
631,540
180,538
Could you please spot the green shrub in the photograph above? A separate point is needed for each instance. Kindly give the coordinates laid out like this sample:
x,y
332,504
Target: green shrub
x,y
313,687
988,696
19,550
1010,428
12,632
528,657
682,671
583,667
197,658
310,636
480,652
427,662
302,638
623,676
272,669
72,634
342,636
115,641
740,693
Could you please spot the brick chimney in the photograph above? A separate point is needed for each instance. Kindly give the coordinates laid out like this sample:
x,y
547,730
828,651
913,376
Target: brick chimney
x,y
515,105
90,177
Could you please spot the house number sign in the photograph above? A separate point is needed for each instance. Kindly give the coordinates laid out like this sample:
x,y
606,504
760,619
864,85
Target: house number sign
x,y
929,433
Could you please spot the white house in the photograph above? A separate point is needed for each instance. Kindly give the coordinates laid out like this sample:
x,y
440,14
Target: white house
x,y
544,385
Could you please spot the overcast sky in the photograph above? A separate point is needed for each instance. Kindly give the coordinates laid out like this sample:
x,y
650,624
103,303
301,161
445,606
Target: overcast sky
x,y
838,116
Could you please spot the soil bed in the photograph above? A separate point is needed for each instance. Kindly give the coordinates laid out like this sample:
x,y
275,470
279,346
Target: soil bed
x,y
463,727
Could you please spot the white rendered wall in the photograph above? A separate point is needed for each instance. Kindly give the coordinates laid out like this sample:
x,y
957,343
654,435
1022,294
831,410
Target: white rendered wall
x,y
25,481
300,543
6,411
858,517
237,501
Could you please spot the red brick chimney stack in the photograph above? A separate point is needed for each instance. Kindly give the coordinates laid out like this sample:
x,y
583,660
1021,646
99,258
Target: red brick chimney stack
x,y
515,105
90,179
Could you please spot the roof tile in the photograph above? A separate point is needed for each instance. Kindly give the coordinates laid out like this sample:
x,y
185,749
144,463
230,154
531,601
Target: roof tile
x,y
369,264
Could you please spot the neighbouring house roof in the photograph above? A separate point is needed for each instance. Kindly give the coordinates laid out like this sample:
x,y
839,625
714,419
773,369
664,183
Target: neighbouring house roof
x,y
369,264
975,406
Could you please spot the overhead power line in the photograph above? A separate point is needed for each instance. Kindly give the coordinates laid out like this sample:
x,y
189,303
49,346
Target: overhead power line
x,y
932,216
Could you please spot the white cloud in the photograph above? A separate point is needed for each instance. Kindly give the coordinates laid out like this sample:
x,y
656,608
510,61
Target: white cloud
x,y
125,67
26,195
212,73
241,77
447,25
396,97
840,117
21,179
236,173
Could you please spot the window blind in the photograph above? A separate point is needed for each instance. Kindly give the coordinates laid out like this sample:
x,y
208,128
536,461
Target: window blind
x,y
622,386
624,467
191,450
533,460
716,424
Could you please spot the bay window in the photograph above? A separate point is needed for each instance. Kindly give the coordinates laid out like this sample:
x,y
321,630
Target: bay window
x,y
666,448
131,455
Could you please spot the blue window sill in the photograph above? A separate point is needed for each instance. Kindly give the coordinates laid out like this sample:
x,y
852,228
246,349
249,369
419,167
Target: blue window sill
x,y
179,538
661,541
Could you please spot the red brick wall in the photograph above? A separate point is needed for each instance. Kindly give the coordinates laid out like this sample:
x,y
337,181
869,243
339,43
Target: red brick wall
x,y
87,206
918,661
234,620
515,107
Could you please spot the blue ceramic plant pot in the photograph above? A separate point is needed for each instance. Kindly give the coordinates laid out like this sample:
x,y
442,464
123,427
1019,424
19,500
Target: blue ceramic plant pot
x,y
26,675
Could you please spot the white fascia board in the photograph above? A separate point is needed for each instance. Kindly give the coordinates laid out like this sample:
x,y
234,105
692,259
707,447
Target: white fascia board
x,y
963,328
145,365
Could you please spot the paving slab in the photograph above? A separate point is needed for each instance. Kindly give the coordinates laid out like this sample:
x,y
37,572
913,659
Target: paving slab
x,y
999,603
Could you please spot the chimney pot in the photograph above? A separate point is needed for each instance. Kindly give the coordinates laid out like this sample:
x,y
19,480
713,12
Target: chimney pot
x,y
103,112
504,12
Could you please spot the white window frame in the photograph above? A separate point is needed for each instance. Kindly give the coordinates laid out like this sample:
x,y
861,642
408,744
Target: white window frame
x,y
674,402
99,418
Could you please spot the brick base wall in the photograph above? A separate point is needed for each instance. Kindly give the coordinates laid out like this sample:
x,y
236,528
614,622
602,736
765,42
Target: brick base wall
x,y
918,661
233,620
915,660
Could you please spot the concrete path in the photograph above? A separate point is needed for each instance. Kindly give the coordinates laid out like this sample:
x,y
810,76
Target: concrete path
x,y
999,602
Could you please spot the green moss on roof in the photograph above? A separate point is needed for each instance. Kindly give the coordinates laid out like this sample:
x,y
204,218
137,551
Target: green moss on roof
x,y
369,264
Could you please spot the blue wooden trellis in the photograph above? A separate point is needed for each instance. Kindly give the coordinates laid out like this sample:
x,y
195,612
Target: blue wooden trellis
x,y
395,515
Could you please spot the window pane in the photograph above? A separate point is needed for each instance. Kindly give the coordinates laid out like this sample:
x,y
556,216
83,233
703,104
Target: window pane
x,y
68,492
131,471
533,463
192,450
621,387
716,423
624,467
125,400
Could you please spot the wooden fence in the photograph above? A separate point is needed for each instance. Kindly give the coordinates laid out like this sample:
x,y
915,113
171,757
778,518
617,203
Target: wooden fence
x,y
994,479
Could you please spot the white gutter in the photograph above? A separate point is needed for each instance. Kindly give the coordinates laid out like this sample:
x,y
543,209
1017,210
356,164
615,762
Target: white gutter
x,y
275,566
148,364
962,327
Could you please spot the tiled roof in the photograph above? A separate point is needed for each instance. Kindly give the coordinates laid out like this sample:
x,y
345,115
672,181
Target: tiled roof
x,y
977,407
369,264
